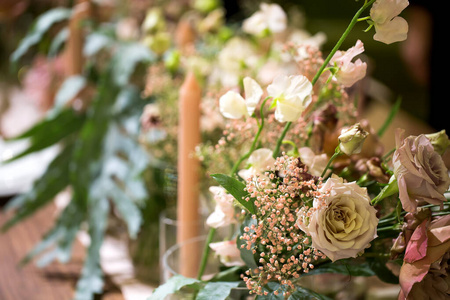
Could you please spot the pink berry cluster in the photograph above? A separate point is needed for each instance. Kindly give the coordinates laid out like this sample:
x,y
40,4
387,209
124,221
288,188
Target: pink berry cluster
x,y
284,252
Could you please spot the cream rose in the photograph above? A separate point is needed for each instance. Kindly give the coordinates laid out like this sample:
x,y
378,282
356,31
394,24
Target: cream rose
x,y
343,223
420,172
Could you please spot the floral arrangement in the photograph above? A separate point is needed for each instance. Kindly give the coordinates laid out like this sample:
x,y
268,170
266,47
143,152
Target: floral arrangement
x,y
310,187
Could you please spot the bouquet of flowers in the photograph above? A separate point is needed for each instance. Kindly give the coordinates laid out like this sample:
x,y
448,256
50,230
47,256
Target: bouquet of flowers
x,y
312,190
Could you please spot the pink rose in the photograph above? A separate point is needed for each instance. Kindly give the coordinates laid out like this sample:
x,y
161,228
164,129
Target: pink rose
x,y
426,262
420,172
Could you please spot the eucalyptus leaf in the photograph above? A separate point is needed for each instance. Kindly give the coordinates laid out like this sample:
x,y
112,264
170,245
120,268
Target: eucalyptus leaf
x,y
53,181
58,41
50,131
128,210
237,189
69,89
43,23
95,42
91,281
126,58
219,290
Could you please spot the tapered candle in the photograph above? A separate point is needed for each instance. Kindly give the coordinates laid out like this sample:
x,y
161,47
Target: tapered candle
x,y
188,174
74,45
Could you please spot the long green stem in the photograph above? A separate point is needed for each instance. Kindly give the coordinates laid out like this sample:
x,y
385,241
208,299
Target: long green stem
x,y
337,152
204,260
212,230
342,39
255,141
325,64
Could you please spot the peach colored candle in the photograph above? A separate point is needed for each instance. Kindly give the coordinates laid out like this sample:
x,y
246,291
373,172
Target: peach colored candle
x,y
74,45
188,174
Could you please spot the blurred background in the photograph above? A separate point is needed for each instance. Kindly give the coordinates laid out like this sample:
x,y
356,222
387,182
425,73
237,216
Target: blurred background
x,y
61,149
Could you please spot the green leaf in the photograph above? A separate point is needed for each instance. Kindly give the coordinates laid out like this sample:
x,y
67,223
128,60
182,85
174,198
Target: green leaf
x,y
237,189
50,131
382,272
216,290
43,23
95,42
60,238
127,209
91,281
173,285
390,118
349,267
69,90
247,255
229,274
127,57
58,41
54,180
306,294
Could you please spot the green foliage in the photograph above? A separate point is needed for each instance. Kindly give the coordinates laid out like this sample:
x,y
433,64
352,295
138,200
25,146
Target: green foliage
x,y
237,189
43,23
194,289
247,255
100,159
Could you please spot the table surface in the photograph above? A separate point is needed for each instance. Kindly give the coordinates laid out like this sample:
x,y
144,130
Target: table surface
x,y
54,282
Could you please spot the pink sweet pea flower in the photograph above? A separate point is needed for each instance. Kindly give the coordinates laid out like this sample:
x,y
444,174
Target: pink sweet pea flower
x,y
349,72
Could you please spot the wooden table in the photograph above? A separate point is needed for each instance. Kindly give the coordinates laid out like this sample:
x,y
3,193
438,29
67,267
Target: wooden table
x,y
54,282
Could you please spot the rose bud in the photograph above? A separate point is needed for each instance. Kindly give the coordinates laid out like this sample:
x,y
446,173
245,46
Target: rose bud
x,y
439,140
351,139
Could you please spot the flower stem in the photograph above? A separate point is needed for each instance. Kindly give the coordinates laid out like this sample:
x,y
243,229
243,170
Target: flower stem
x,y
212,230
280,140
255,141
337,152
325,64
204,260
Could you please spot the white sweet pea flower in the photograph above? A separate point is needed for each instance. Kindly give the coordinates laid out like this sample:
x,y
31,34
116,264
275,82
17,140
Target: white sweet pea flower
x,y
260,161
228,252
389,26
234,106
292,95
270,18
224,213
315,163
349,72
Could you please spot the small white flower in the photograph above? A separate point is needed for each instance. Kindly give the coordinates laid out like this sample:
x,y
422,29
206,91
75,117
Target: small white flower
x,y
271,18
389,26
349,72
260,161
292,95
224,213
315,163
234,106
228,252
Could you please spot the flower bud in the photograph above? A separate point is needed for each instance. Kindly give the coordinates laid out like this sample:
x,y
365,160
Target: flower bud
x,y
206,6
439,140
158,43
352,138
154,21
